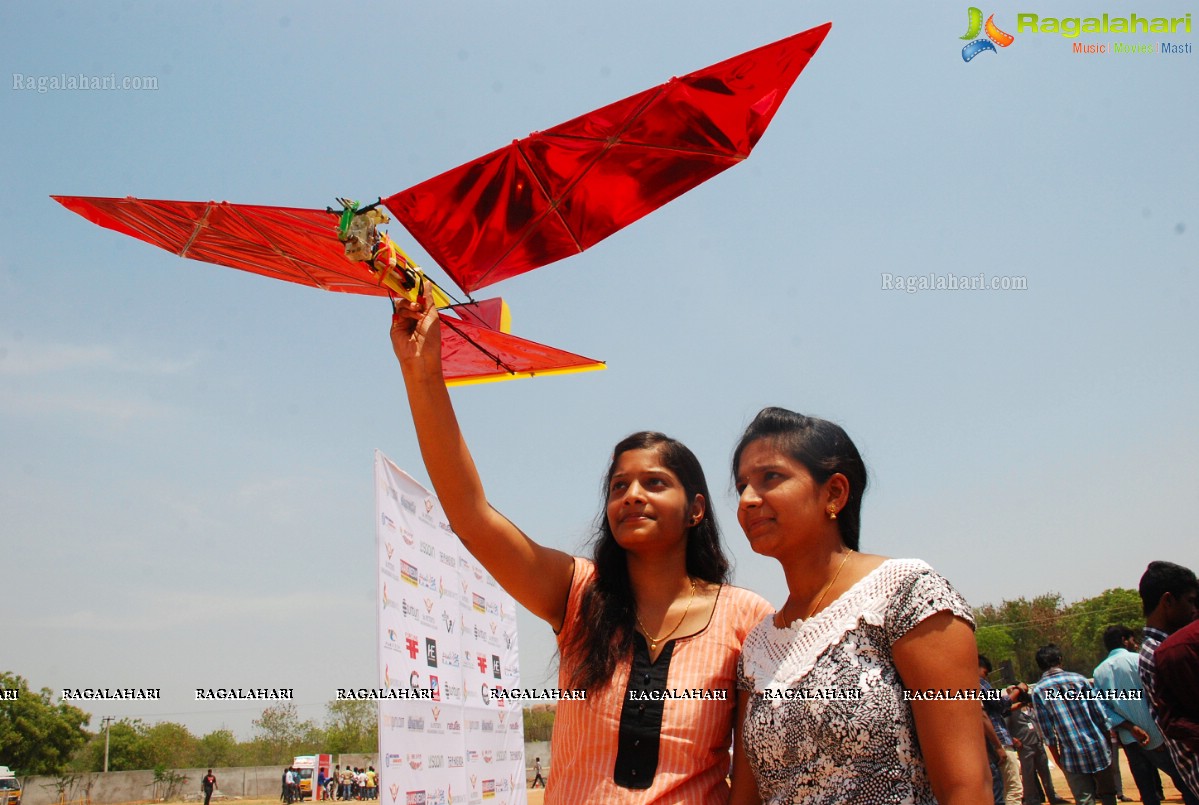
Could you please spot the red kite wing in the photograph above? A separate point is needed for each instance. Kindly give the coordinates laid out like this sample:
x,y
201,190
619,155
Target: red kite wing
x,y
471,353
560,191
290,244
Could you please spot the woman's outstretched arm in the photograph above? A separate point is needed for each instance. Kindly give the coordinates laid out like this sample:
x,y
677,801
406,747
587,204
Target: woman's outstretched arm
x,y
536,576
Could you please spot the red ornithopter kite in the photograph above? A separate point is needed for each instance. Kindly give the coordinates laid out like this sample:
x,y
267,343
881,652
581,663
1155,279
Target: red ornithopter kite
x,y
540,199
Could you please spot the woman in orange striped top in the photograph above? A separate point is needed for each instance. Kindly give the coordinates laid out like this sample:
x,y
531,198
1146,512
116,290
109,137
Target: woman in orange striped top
x,y
648,627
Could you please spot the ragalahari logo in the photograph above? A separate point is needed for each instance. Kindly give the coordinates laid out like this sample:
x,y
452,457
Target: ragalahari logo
x,y
994,36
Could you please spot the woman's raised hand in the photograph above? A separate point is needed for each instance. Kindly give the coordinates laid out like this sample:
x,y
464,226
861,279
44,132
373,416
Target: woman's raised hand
x,y
416,332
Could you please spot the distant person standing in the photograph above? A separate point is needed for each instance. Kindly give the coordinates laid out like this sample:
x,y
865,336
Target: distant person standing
x,y
1034,761
1008,759
208,785
1076,729
1138,734
537,778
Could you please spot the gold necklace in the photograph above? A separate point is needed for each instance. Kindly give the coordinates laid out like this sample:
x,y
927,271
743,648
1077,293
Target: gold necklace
x,y
654,641
823,592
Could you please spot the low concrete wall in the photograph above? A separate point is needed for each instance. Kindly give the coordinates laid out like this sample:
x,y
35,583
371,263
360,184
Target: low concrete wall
x,y
254,782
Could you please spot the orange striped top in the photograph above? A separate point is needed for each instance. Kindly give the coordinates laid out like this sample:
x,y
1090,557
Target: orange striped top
x,y
693,757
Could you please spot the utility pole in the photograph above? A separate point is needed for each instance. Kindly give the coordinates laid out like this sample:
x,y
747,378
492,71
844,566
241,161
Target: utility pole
x,y
107,720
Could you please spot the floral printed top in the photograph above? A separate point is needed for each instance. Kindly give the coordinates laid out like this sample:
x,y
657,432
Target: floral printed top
x,y
828,721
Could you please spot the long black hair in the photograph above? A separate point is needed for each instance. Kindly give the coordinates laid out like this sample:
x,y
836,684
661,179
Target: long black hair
x,y
824,448
608,609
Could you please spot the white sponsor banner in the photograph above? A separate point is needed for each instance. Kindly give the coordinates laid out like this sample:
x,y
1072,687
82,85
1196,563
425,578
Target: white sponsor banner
x,y
447,632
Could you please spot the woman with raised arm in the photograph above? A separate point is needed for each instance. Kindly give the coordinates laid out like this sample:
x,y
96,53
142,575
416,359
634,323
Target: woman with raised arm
x,y
845,688
648,618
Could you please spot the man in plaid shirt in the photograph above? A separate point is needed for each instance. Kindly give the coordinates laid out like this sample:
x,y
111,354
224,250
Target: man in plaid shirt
x,y
1170,600
1076,729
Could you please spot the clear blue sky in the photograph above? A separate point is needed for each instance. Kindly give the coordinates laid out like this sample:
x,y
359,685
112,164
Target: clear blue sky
x,y
185,483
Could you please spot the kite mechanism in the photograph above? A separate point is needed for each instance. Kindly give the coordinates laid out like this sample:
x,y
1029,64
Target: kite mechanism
x,y
358,230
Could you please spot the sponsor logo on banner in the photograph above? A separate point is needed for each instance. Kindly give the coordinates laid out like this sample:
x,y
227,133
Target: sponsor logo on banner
x,y
388,602
415,798
454,761
430,652
394,790
392,758
435,761
480,605
435,686
495,666
449,659
489,789
407,536
412,645
408,572
415,724
447,621
408,504
387,546
446,559
387,521
415,761
427,549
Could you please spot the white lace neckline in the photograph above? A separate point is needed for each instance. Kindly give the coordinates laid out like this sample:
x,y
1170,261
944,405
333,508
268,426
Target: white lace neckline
x,y
780,656
801,621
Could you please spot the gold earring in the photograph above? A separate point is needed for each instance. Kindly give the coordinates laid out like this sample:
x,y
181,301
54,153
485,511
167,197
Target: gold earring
x,y
832,512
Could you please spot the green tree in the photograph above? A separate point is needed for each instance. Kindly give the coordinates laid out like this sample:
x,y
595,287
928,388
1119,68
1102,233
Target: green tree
x,y
1087,619
539,724
170,745
351,726
995,643
1029,625
128,748
38,736
280,735
218,748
